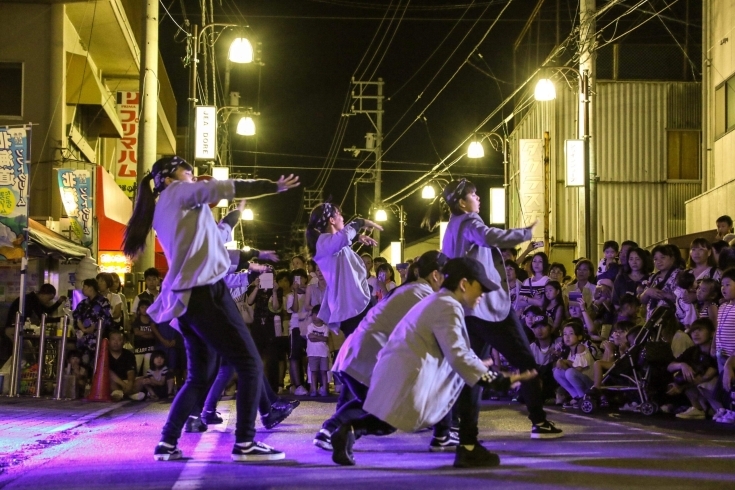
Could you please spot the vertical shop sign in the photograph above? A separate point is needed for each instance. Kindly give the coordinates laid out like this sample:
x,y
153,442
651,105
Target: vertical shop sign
x,y
531,191
14,183
128,105
76,194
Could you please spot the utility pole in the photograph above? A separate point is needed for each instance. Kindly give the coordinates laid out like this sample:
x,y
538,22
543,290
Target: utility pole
x,y
362,97
148,114
587,63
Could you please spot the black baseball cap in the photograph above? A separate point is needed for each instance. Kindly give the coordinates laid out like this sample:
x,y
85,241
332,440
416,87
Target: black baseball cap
x,y
470,269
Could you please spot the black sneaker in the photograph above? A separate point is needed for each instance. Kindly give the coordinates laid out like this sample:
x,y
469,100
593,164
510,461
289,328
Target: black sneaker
x,y
277,415
256,451
342,441
323,439
166,452
479,457
287,403
447,443
545,430
212,418
195,424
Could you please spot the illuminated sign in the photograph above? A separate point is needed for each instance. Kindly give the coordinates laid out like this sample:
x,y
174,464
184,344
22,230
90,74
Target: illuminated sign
x,y
115,262
497,205
206,133
574,156
531,192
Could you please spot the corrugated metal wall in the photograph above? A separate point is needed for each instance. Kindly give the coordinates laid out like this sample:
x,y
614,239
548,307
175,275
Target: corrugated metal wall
x,y
635,201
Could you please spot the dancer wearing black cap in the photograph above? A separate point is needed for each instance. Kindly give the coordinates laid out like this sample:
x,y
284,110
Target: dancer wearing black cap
x,y
493,321
421,370
195,294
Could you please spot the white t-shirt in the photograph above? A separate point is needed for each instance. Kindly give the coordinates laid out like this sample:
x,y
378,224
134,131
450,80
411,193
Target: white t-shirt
x,y
686,313
542,356
114,300
294,323
317,349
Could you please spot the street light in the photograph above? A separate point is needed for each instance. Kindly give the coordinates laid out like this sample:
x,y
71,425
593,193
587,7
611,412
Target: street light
x,y
546,91
247,214
499,143
428,192
381,215
246,126
241,51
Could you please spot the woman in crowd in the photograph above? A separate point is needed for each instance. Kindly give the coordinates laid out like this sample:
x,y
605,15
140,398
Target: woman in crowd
x,y
195,294
701,260
583,281
93,308
329,240
661,286
532,289
106,283
639,266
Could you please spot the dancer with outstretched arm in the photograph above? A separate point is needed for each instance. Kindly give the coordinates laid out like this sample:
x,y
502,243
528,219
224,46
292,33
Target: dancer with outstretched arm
x,y
194,292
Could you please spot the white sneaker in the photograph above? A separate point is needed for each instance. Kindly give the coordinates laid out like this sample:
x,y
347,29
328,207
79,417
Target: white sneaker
x,y
727,418
138,397
300,391
629,407
117,395
691,413
323,391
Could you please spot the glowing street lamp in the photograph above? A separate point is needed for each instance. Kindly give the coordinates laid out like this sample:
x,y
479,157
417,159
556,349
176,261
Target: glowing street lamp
x,y
381,215
241,51
545,90
428,192
246,126
475,150
247,214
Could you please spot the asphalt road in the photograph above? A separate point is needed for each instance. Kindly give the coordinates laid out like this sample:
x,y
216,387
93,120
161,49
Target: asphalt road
x,y
113,450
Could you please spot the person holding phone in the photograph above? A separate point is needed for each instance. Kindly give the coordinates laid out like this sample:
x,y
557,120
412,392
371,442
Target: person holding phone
x,y
492,321
195,294
329,240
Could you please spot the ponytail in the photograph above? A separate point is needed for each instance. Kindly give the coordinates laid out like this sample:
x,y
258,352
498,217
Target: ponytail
x,y
451,195
433,214
141,222
318,222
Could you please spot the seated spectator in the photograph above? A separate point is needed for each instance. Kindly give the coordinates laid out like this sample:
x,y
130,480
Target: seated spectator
x,y
635,271
123,381
160,379
629,309
75,368
583,281
554,307
724,227
727,374
686,297
613,349
573,371
544,353
144,340
87,315
695,372
557,272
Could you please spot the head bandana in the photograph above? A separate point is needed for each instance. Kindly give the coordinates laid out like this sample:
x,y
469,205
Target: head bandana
x,y
162,169
328,211
457,194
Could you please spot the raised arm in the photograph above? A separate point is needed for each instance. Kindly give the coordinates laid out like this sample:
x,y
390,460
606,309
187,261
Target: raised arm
x,y
488,236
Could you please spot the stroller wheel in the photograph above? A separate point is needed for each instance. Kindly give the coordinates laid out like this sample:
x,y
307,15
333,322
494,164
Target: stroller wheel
x,y
588,405
649,408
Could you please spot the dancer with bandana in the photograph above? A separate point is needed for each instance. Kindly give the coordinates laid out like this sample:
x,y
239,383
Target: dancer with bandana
x,y
194,292
329,240
492,321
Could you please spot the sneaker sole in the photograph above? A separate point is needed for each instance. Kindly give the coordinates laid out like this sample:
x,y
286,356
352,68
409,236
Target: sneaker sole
x,y
547,436
447,449
323,445
166,457
257,457
487,464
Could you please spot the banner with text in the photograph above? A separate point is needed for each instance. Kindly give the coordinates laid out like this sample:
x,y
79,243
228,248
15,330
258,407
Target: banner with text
x,y
76,194
128,105
14,183
531,191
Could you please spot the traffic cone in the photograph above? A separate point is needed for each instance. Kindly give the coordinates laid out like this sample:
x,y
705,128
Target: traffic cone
x,y
101,382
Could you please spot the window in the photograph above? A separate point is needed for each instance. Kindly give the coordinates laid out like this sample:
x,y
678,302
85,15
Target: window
x,y
11,89
683,155
725,107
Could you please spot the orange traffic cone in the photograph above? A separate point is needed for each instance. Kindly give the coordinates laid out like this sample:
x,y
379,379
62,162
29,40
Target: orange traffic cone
x,y
101,382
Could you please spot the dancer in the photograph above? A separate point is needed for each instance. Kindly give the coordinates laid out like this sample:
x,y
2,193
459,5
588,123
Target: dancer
x,y
194,293
492,322
357,357
424,364
347,296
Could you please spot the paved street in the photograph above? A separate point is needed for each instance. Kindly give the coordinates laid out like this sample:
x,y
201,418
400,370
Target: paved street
x,y
47,444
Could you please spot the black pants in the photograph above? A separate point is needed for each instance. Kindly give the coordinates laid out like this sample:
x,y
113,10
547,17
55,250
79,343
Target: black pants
x,y
351,412
508,338
350,325
212,320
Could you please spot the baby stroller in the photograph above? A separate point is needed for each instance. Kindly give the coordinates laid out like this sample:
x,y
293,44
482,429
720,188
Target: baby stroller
x,y
641,371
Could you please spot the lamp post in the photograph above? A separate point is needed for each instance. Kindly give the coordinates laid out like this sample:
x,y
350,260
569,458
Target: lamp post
x,y
381,216
500,143
545,91
429,192
241,51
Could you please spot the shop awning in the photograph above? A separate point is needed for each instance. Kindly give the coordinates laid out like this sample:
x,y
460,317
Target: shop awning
x,y
44,243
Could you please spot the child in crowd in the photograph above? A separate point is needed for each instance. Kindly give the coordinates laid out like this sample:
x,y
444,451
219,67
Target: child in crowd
x,y
629,309
609,260
695,372
554,306
708,296
75,368
385,282
161,380
574,371
685,292
144,338
724,345
543,352
613,349
152,278
317,352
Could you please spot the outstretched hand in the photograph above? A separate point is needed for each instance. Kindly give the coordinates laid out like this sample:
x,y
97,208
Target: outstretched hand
x,y
532,225
515,379
268,255
366,240
286,183
241,205
370,225
253,267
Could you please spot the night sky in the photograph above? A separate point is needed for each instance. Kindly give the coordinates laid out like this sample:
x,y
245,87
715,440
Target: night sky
x,y
311,49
